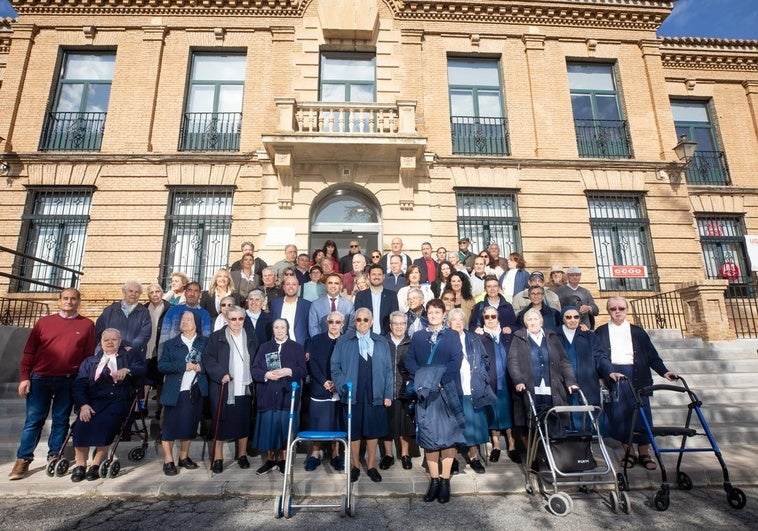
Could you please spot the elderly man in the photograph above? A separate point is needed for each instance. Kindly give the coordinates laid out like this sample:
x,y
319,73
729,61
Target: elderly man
x,y
464,253
346,262
557,280
258,264
332,301
380,301
363,358
359,266
396,246
426,264
494,251
293,309
173,317
395,279
288,262
268,286
521,299
572,294
128,317
56,347
302,271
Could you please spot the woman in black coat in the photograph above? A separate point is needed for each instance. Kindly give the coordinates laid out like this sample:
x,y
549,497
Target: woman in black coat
x,y
229,356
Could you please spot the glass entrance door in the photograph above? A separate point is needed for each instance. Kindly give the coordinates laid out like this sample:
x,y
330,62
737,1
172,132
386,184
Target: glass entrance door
x,y
344,215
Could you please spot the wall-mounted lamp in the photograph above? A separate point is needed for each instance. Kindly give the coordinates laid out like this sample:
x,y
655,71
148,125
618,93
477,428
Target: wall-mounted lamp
x,y
685,150
4,167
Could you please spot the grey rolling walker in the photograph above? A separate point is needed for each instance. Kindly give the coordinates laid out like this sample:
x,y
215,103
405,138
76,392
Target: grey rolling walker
x,y
284,503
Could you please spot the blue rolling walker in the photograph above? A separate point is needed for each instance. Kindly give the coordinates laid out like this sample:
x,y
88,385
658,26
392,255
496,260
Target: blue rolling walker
x,y
283,503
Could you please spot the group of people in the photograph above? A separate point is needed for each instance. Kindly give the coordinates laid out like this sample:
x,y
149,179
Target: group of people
x,y
440,351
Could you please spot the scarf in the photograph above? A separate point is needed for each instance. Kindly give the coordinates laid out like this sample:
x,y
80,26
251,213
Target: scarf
x,y
365,345
107,360
244,355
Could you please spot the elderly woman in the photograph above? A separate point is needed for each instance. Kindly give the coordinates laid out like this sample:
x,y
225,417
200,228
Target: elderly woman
x,y
157,308
221,286
279,362
228,358
413,278
363,358
476,395
102,397
434,361
226,303
500,414
175,294
633,355
245,278
181,363
538,363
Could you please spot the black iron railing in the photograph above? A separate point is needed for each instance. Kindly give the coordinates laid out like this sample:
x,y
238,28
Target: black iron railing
x,y
210,131
708,167
604,139
478,135
20,281
743,314
20,312
664,310
73,131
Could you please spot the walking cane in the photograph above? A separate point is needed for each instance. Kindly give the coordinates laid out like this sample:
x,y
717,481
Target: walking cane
x,y
215,427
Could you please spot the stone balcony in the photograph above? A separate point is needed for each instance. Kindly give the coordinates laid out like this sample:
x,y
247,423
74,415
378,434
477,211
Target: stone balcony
x,y
342,133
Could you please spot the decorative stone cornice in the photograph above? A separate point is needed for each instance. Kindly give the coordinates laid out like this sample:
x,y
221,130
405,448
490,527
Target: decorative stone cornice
x,y
710,54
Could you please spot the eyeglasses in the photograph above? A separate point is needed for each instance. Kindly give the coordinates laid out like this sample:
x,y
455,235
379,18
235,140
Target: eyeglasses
x,y
490,316
571,317
235,318
353,246
397,324
376,256
447,299
289,274
532,294
332,321
362,319
617,309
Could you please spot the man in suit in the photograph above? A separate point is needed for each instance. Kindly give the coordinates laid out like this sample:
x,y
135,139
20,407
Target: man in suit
x,y
426,264
257,321
380,301
331,302
292,309
396,250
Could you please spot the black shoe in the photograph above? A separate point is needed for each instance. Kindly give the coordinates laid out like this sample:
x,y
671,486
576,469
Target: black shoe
x,y
514,456
243,462
444,495
281,465
77,474
495,455
433,491
477,466
374,475
92,473
170,469
266,467
338,463
187,463
355,473
455,469
407,463
386,462
218,466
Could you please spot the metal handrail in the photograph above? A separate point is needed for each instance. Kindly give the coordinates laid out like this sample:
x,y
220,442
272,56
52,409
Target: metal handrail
x,y
22,313
18,254
664,310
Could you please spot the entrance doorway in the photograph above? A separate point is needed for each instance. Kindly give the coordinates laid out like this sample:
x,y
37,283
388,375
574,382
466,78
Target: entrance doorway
x,y
343,215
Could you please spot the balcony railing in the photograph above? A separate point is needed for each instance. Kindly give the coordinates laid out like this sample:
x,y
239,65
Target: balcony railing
x,y
474,135
73,131
210,131
602,139
708,167
363,118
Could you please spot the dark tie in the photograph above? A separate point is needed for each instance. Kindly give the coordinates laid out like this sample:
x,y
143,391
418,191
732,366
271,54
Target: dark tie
x,y
334,305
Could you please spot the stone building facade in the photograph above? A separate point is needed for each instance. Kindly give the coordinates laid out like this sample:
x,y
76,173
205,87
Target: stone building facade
x,y
144,136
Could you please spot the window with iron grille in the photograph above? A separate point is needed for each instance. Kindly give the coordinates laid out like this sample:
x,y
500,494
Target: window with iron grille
x,y
601,132
198,225
477,120
54,229
723,243
212,120
692,119
77,120
489,216
620,235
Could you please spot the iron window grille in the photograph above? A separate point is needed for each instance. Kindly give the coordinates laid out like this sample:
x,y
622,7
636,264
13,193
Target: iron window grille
x,y
489,216
724,254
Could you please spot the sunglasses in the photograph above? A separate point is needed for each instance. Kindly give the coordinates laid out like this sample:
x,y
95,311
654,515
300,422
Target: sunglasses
x,y
362,319
376,256
353,246
235,318
332,321
571,317
617,309
225,305
448,299
490,316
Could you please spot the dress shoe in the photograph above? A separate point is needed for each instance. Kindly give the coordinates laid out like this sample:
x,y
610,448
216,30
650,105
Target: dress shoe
x,y
187,463
433,491
338,463
407,463
477,466
77,474
455,470
374,475
514,456
243,462
266,467
355,473
386,462
281,465
312,463
495,455
92,473
444,495
218,466
20,469
170,469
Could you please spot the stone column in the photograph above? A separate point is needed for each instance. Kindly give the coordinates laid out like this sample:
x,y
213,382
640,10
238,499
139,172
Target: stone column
x,y
705,309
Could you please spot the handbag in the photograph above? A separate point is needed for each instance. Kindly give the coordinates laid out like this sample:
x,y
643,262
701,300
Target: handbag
x,y
194,392
573,454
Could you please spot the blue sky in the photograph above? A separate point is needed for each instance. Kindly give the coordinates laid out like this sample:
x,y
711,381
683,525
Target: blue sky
x,y
726,19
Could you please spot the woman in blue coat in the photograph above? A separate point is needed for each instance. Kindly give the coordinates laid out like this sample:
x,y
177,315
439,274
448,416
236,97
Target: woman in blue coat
x,y
228,358
103,396
181,363
278,363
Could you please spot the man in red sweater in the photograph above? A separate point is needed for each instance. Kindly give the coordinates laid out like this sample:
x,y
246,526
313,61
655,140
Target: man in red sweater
x,y
52,355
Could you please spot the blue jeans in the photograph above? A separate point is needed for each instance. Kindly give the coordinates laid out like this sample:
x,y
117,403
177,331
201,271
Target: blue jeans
x,y
44,391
